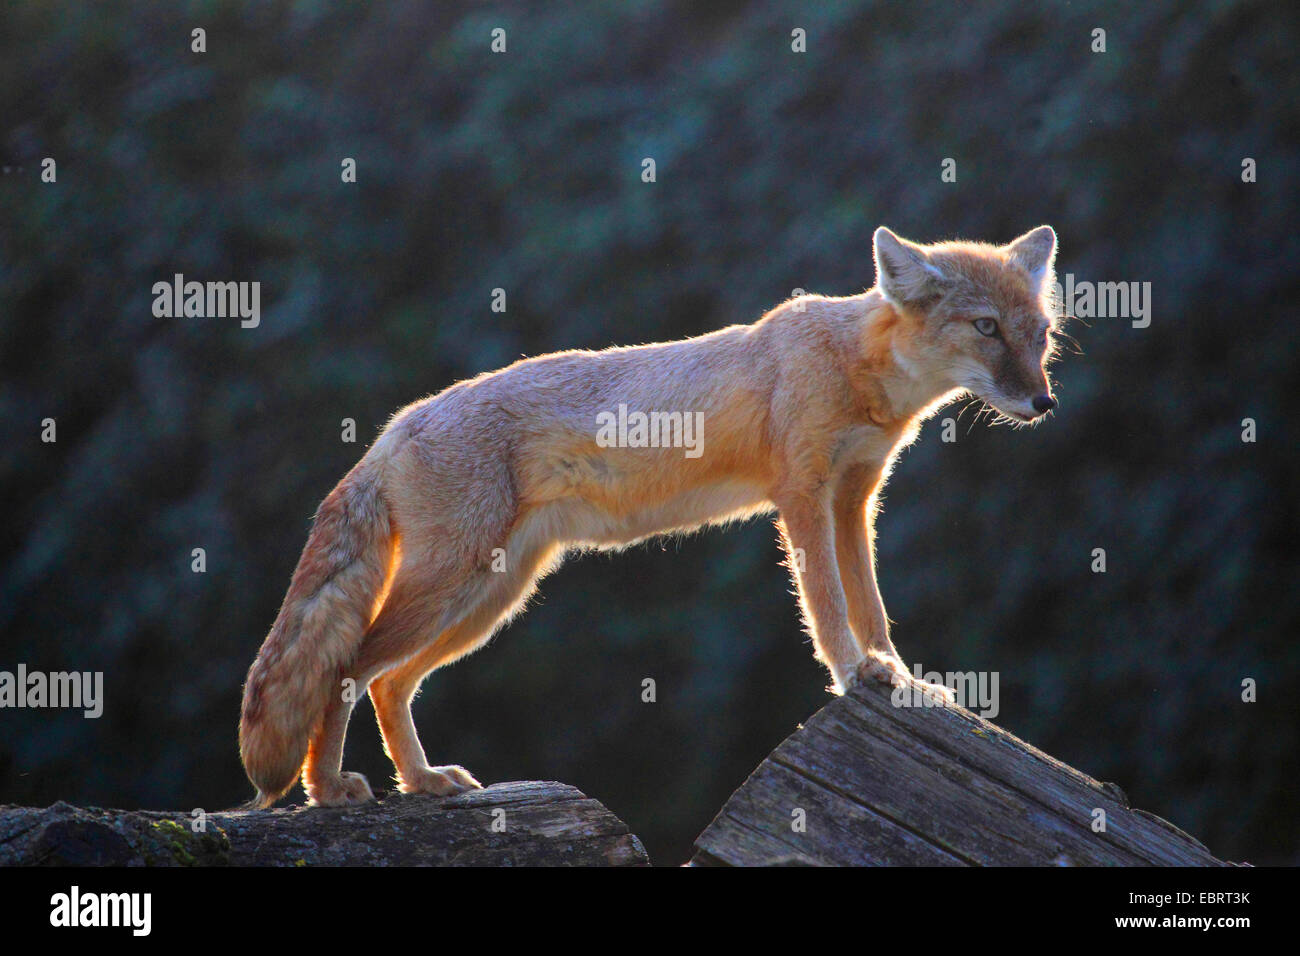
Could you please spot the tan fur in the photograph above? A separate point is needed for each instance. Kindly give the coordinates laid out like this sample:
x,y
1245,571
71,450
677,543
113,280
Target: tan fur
x,y
440,534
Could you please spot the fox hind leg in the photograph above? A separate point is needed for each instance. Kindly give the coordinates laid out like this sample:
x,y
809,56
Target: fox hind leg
x,y
408,613
391,693
323,778
489,599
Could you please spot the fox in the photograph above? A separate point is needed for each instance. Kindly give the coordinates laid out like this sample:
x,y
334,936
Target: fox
x,y
439,535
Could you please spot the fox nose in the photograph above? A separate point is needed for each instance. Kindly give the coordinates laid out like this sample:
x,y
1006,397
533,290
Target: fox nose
x,y
1043,404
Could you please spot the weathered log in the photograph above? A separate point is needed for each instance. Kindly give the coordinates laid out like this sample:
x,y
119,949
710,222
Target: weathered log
x,y
866,782
507,824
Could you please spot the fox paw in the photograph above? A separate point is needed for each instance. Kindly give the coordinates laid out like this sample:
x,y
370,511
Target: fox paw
x,y
891,671
880,669
344,790
942,691
439,781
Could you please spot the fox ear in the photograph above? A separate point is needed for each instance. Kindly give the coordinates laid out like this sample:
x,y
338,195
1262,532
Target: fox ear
x,y
904,271
1035,251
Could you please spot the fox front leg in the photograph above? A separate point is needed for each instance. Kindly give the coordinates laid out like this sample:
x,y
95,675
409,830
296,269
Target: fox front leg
x,y
807,530
855,516
855,513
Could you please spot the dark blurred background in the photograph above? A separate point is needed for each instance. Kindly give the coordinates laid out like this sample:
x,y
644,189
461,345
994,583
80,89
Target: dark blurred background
x,y
522,170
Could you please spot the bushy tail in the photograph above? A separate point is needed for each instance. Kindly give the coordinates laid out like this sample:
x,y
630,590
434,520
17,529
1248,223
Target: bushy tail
x,y
330,603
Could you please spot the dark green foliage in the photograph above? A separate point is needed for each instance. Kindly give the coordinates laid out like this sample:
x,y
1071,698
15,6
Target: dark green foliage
x,y
522,171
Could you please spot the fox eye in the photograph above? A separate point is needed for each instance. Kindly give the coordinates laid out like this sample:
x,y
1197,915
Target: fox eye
x,y
986,326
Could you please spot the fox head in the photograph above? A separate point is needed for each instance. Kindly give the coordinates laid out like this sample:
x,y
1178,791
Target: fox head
x,y
975,316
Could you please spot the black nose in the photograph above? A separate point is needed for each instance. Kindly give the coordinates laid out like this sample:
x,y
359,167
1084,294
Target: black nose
x,y
1044,403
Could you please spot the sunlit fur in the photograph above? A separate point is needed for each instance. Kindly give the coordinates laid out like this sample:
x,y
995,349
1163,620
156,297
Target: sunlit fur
x,y
439,534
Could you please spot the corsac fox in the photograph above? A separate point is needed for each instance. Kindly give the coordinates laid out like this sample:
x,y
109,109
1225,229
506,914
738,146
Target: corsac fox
x,y
440,533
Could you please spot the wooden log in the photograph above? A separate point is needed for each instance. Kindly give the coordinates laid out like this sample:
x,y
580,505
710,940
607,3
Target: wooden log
x,y
507,824
866,782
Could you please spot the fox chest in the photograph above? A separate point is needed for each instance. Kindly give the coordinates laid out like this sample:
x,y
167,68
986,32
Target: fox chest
x,y
867,445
